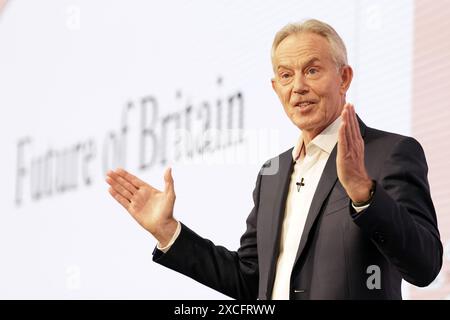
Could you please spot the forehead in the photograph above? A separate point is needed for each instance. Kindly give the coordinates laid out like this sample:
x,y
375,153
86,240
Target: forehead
x,y
301,47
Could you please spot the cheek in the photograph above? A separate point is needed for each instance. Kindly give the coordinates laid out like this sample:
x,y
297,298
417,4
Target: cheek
x,y
321,89
283,93
328,95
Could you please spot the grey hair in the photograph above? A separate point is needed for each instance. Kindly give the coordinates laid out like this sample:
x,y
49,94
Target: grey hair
x,y
338,50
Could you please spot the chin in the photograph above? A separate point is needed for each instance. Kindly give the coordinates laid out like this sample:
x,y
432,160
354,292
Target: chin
x,y
304,123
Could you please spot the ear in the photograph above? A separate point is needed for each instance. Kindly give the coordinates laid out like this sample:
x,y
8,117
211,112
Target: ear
x,y
346,75
273,84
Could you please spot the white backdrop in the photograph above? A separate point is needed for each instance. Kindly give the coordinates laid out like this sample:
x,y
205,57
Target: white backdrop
x,y
73,75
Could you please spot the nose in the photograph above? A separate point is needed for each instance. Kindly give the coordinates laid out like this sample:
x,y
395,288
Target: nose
x,y
300,85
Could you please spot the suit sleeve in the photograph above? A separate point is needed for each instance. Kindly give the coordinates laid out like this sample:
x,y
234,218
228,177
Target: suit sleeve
x,y
232,273
401,219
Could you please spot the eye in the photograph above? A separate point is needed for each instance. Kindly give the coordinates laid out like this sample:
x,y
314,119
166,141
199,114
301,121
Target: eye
x,y
312,71
285,75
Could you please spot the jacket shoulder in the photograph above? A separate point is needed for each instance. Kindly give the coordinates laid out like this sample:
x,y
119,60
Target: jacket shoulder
x,y
388,139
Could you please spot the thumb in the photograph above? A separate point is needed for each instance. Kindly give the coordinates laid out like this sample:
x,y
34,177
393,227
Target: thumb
x,y
168,180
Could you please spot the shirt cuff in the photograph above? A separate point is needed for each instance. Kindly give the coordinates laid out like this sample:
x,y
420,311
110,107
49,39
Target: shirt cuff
x,y
171,242
360,209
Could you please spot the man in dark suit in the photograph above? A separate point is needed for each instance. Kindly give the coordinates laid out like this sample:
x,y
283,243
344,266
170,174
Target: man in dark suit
x,y
346,215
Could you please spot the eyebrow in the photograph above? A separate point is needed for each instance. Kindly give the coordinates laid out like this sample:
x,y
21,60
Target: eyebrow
x,y
309,62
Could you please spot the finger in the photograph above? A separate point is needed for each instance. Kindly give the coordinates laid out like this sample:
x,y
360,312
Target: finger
x,y
347,128
352,120
124,202
135,181
342,139
356,124
124,183
119,188
351,125
345,107
168,180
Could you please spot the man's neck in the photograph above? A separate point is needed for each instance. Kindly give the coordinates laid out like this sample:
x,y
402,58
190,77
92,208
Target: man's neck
x,y
309,135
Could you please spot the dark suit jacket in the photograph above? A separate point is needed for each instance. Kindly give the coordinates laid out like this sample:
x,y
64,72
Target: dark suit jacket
x,y
397,233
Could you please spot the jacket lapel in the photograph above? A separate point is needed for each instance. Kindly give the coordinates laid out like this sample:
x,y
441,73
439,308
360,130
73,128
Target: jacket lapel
x,y
326,183
281,188
281,185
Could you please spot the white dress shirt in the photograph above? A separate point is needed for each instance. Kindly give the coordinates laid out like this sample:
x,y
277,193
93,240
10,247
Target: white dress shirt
x,y
310,161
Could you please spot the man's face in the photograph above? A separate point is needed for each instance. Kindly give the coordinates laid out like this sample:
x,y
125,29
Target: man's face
x,y
309,84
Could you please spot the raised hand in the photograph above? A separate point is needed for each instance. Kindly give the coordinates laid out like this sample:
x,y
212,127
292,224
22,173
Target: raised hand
x,y
150,207
350,165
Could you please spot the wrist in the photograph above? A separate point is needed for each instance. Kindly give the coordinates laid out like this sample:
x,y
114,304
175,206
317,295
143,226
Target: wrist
x,y
366,195
166,231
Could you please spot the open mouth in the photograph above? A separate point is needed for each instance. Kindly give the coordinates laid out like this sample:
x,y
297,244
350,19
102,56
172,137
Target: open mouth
x,y
304,104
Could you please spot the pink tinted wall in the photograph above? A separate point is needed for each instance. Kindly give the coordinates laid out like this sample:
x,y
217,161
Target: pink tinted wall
x,y
2,4
431,117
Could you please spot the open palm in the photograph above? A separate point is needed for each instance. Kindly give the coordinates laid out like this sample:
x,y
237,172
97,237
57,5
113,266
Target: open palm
x,y
150,207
